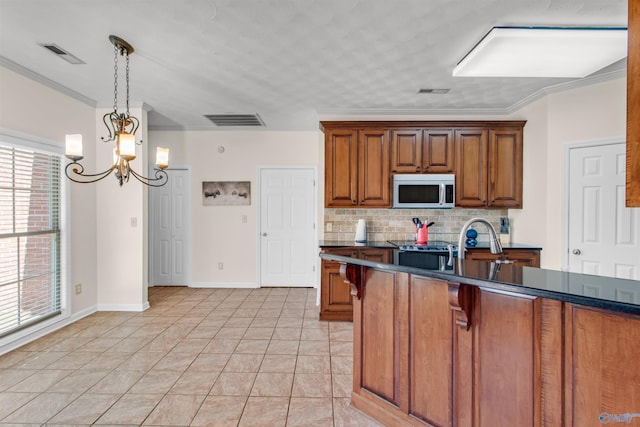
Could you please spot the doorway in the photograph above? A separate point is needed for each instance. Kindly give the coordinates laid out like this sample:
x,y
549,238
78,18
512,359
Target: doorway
x,y
169,230
604,235
288,246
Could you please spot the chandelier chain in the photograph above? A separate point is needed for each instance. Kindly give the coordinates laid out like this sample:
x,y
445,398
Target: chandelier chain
x,y
127,78
115,79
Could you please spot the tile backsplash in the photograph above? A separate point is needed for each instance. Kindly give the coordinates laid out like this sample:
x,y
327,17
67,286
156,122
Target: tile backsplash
x,y
396,224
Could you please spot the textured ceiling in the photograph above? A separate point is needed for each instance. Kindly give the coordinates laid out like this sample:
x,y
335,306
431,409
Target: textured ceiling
x,y
290,61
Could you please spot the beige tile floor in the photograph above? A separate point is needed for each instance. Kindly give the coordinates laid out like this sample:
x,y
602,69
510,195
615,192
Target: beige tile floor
x,y
197,357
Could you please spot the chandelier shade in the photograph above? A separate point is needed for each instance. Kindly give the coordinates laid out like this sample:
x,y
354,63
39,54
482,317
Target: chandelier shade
x,y
121,127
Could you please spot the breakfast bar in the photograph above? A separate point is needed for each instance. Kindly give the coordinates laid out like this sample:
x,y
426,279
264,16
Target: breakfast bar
x,y
480,343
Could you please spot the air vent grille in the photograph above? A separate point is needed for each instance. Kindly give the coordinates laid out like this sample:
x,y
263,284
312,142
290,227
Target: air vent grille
x,y
435,91
61,53
235,119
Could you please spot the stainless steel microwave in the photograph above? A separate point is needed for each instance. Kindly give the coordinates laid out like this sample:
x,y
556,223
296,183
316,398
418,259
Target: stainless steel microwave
x,y
424,191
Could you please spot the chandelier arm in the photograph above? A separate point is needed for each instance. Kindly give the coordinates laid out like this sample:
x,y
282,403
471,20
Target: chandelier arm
x,y
108,119
161,178
74,170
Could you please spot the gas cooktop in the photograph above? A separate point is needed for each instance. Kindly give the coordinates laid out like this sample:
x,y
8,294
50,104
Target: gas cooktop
x,y
430,246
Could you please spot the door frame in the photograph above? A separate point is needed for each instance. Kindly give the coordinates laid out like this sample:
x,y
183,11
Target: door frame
x,y
566,176
314,171
151,222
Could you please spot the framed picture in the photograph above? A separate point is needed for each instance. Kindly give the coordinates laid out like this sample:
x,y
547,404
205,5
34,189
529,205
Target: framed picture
x,y
226,193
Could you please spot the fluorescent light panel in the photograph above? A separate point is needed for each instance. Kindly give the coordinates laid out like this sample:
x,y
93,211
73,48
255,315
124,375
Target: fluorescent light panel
x,y
543,52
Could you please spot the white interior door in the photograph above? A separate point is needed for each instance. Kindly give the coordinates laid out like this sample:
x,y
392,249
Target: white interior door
x,y
169,231
604,235
287,227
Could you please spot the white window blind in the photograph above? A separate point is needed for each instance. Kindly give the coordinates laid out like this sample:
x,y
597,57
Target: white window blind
x,y
29,237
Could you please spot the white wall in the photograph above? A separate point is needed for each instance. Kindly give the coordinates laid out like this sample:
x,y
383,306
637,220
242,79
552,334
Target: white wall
x,y
218,234
32,108
583,114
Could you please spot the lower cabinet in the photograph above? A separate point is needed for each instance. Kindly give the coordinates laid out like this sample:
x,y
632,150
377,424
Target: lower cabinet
x,y
335,294
522,257
433,353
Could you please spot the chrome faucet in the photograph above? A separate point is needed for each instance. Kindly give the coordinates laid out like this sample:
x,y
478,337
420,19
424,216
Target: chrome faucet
x,y
496,247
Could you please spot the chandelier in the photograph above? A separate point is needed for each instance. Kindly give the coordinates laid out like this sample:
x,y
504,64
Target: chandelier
x,y
122,128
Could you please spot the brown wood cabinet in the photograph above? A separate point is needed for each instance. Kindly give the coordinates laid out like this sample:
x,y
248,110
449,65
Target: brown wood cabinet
x,y
422,151
471,167
489,167
433,353
335,295
486,158
525,257
357,168
633,106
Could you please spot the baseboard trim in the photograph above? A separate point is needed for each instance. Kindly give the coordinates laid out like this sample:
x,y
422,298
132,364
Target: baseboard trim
x,y
234,285
123,307
21,338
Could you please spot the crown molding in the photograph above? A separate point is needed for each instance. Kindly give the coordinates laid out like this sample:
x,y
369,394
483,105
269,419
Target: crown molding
x,y
23,71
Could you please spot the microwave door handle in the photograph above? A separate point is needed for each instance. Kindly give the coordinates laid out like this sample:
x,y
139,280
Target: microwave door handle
x,y
442,194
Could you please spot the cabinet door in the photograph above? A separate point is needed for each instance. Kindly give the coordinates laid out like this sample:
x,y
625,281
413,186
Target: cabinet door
x,y
527,258
471,166
438,151
481,254
505,168
381,255
335,294
373,168
341,168
406,150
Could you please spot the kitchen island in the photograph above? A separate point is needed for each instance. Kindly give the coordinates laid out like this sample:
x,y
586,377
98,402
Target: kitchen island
x,y
492,344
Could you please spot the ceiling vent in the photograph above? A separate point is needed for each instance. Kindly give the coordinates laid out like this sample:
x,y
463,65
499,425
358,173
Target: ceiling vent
x,y
235,119
61,53
435,91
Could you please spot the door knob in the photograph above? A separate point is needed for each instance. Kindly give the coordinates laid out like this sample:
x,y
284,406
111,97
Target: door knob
x,y
264,234
577,251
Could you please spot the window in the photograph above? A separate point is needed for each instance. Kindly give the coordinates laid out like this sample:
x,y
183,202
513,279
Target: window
x,y
29,237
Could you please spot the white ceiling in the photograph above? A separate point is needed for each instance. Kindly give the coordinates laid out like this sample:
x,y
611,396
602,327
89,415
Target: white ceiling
x,y
291,61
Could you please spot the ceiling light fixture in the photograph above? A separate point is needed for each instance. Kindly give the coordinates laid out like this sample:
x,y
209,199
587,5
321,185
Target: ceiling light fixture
x,y
122,128
543,52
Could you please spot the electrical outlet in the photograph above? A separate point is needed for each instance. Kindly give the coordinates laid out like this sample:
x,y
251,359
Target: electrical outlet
x,y
329,226
134,221
244,219
78,288
220,266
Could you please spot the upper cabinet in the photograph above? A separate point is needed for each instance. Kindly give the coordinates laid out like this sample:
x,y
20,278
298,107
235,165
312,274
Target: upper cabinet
x,y
471,167
633,106
505,168
489,167
422,151
486,157
357,168
341,168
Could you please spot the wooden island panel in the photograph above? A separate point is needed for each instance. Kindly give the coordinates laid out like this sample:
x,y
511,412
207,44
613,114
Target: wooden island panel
x,y
430,366
379,358
602,375
433,353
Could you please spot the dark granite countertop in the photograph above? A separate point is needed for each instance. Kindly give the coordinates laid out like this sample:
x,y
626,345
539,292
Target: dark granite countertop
x,y
348,244
386,244
619,295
